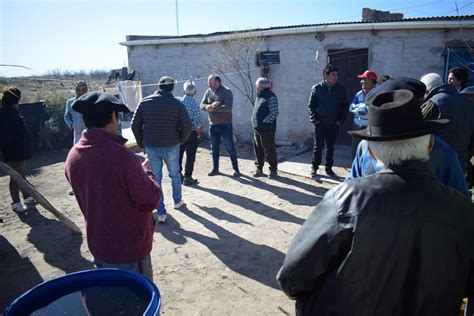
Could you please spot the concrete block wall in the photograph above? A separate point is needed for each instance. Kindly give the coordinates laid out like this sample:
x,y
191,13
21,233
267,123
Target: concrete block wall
x,y
396,53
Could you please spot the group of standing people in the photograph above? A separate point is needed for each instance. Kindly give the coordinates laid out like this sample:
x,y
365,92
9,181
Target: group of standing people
x,y
395,237
127,201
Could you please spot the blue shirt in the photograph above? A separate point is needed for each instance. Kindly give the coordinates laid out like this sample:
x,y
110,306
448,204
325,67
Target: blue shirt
x,y
443,163
359,108
194,112
74,119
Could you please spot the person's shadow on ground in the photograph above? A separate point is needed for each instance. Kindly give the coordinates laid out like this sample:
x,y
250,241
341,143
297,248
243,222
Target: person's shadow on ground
x,y
287,194
255,206
258,262
60,247
11,264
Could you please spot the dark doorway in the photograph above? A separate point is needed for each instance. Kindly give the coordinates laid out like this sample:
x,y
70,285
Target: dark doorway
x,y
350,62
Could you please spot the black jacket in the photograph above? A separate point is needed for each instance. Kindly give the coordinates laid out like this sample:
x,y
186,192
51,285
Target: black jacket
x,y
327,104
15,140
261,110
460,112
396,242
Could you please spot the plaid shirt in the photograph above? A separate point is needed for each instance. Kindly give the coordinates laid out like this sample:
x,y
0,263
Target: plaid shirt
x,y
193,110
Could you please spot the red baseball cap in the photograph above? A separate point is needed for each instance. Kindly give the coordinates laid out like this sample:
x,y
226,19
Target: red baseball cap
x,y
368,74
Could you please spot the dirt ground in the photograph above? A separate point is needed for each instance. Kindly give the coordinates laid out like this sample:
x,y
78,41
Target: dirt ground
x,y
217,256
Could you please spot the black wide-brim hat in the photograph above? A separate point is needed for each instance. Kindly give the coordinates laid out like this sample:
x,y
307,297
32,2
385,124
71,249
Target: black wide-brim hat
x,y
98,102
414,85
396,115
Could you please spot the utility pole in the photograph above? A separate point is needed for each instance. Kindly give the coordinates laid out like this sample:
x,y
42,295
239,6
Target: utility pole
x,y
177,19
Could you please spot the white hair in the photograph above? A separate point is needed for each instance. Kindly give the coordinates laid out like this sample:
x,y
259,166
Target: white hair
x,y
432,80
397,151
263,83
189,88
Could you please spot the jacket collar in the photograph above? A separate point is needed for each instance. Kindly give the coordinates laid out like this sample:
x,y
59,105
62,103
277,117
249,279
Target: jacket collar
x,y
446,88
97,135
410,167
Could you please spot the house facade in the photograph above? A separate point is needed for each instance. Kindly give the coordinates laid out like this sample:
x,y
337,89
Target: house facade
x,y
296,56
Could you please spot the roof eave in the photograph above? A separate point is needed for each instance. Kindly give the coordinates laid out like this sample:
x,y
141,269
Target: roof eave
x,y
402,25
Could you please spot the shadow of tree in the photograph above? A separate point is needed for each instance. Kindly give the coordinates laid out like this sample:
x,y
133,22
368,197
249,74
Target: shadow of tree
x,y
258,262
17,274
255,206
61,248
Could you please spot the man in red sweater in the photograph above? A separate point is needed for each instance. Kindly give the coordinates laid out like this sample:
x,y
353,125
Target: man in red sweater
x,y
115,192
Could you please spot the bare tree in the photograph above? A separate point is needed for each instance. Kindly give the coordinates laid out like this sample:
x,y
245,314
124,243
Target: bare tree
x,y
235,61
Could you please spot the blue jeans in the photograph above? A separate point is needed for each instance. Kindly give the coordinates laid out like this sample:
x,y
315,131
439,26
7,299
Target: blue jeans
x,y
224,131
170,155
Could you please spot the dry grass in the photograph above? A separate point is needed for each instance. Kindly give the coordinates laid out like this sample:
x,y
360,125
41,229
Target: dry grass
x,y
34,89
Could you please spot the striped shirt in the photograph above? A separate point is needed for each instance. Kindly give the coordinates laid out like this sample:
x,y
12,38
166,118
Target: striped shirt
x,y
273,108
194,112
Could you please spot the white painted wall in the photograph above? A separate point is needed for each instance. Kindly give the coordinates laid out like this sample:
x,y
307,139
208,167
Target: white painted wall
x,y
408,53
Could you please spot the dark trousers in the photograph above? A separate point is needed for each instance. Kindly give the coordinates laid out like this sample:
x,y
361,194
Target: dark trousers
x,y
324,134
264,147
20,167
225,131
190,147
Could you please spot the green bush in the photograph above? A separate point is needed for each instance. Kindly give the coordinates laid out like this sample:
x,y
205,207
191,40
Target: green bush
x,y
54,134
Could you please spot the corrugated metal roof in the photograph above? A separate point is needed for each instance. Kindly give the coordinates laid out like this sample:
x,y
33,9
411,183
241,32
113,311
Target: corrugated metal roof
x,y
422,19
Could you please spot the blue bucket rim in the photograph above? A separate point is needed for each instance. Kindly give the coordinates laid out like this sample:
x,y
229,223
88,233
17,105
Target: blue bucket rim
x,y
42,295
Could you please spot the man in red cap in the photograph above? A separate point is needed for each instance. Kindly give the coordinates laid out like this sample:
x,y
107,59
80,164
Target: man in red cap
x,y
358,106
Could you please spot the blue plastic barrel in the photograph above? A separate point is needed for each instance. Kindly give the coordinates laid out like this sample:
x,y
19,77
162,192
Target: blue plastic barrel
x,y
90,292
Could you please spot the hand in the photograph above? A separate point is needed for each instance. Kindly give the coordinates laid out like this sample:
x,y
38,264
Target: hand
x,y
146,163
338,123
215,104
198,132
209,108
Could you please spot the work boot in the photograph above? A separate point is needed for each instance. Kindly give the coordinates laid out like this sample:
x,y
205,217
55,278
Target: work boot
x,y
314,172
214,172
273,174
258,173
331,173
189,181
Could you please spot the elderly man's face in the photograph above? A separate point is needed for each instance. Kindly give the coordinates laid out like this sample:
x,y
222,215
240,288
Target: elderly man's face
x,y
367,84
331,78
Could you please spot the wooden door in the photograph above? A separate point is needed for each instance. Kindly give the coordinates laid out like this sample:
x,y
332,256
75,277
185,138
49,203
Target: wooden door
x,y
351,63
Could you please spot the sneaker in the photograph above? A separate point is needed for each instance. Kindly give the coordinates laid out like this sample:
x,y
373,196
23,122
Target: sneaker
x,y
19,207
258,173
273,174
179,205
314,172
162,218
236,173
190,181
330,173
214,172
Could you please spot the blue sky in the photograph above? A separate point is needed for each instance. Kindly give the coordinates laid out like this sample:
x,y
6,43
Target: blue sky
x,y
83,35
